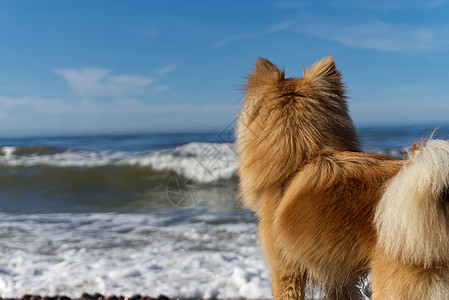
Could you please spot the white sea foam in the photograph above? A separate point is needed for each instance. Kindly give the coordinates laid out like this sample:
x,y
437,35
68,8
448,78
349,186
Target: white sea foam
x,y
203,162
7,151
126,254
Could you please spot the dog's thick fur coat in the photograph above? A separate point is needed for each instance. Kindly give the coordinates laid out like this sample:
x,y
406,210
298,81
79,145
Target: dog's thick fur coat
x,y
328,213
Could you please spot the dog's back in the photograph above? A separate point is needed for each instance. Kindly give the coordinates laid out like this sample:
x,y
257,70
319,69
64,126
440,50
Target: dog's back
x,y
322,226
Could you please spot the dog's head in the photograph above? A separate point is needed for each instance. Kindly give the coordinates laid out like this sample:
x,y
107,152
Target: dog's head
x,y
310,111
320,86
285,121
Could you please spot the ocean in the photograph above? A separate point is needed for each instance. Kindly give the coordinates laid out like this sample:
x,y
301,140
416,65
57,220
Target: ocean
x,y
130,214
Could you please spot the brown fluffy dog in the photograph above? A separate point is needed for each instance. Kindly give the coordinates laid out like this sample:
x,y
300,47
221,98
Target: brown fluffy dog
x,y
326,216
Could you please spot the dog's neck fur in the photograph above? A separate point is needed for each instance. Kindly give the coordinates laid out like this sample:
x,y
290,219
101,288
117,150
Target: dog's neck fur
x,y
285,122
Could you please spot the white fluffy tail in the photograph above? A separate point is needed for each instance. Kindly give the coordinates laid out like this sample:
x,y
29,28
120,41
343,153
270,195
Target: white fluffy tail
x,y
412,218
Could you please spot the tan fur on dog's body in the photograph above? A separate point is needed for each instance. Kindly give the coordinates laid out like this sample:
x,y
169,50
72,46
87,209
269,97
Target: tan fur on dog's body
x,y
314,192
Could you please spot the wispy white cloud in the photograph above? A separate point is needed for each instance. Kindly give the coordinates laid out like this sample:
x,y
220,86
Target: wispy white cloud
x,y
423,103
151,33
33,114
101,82
377,35
230,39
360,25
161,88
431,4
87,106
244,36
27,106
387,5
290,4
275,28
399,112
166,69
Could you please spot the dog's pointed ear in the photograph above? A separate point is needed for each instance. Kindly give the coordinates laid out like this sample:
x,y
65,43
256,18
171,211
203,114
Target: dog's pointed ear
x,y
264,73
324,76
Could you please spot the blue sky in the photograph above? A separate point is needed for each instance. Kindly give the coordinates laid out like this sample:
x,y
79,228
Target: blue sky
x,y
105,66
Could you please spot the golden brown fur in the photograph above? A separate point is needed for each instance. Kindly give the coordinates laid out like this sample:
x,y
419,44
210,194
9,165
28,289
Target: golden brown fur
x,y
315,193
